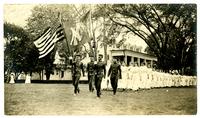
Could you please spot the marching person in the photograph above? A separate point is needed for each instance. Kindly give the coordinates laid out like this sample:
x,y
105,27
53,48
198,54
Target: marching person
x,y
91,74
77,67
115,72
100,69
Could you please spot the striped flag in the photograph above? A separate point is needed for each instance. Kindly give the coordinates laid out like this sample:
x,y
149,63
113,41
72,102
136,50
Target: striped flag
x,y
46,42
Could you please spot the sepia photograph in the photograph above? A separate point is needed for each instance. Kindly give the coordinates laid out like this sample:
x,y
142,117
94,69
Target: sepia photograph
x,y
100,59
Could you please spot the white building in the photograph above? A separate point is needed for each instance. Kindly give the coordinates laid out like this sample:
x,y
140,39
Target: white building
x,y
127,54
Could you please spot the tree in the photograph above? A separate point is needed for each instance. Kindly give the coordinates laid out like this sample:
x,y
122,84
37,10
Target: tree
x,y
44,16
166,28
109,30
17,50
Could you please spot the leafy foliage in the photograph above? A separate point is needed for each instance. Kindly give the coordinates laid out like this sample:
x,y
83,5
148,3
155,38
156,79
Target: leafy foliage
x,y
168,29
18,49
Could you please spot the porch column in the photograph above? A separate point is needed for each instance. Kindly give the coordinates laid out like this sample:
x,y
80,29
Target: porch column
x,y
125,60
132,59
138,60
145,62
151,63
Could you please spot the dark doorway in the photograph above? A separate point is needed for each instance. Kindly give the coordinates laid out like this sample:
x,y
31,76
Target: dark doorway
x,y
128,60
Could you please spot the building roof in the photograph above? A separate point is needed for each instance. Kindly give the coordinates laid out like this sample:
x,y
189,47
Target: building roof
x,y
127,52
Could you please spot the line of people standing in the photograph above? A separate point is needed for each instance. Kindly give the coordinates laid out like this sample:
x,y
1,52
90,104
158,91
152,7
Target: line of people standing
x,y
96,72
142,77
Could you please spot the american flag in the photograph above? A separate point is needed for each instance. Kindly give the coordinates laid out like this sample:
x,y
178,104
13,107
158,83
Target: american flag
x,y
46,42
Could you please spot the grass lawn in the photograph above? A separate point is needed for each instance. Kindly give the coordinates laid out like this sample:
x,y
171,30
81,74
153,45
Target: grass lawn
x,y
58,99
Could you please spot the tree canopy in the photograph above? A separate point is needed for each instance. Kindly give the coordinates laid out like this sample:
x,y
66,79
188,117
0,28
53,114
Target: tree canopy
x,y
168,29
17,49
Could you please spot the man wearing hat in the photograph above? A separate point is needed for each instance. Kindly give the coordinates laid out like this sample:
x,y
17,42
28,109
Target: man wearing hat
x,y
100,68
115,72
77,67
91,73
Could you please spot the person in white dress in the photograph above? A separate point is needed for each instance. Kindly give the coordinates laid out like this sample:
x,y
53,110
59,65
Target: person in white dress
x,y
143,74
105,84
28,79
158,81
169,80
19,76
194,80
135,77
122,82
149,77
12,78
130,77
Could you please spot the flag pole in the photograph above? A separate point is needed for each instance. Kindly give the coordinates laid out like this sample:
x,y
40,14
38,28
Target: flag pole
x,y
93,35
68,46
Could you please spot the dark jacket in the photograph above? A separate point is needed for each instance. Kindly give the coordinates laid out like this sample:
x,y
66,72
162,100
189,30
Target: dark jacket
x,y
115,71
77,68
91,68
100,68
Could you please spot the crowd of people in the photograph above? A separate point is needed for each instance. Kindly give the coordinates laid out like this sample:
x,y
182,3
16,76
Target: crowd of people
x,y
137,78
119,76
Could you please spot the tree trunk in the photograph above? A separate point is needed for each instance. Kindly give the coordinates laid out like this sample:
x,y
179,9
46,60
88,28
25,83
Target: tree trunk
x,y
40,76
104,42
105,53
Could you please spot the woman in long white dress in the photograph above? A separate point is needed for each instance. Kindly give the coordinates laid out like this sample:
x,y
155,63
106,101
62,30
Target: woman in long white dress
x,y
194,80
157,79
135,77
12,78
28,79
170,80
149,78
152,79
132,80
129,78
105,84
122,82
143,75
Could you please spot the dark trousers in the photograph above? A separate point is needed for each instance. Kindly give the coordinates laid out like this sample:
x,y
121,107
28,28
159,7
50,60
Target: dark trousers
x,y
47,75
91,82
62,74
114,83
98,85
75,80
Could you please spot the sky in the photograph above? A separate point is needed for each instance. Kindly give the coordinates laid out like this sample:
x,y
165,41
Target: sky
x,y
17,13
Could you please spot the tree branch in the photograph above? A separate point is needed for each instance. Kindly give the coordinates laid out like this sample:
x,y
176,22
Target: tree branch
x,y
138,34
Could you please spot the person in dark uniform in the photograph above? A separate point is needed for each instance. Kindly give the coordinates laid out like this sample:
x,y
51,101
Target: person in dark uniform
x,y
48,71
91,74
115,72
100,69
77,67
